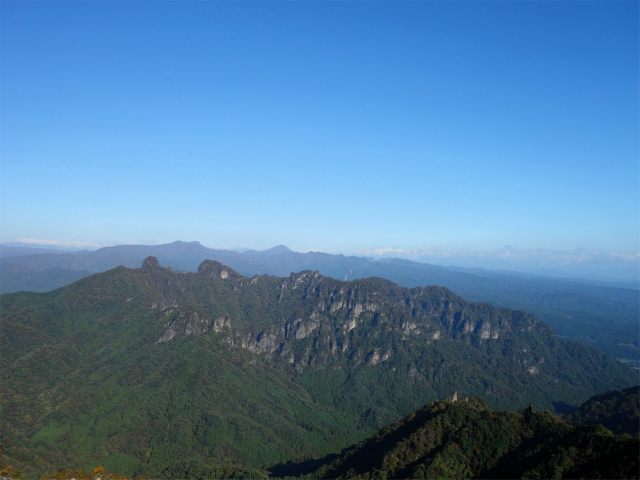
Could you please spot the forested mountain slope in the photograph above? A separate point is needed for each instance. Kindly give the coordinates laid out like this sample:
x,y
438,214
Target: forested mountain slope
x,y
467,439
599,315
618,410
167,374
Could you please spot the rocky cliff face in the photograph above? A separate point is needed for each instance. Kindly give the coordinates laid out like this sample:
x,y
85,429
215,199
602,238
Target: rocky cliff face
x,y
318,321
308,323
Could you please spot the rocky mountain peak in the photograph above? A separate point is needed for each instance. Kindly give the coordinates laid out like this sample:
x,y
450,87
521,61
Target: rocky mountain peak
x,y
150,262
213,268
277,250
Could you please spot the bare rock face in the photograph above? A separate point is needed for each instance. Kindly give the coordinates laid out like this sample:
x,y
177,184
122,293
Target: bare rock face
x,y
221,323
319,322
184,321
453,398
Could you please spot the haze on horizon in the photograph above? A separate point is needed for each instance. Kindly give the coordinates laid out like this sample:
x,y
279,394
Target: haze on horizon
x,y
491,134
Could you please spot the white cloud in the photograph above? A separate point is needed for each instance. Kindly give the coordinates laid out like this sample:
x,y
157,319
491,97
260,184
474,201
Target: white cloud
x,y
507,252
60,243
385,252
630,257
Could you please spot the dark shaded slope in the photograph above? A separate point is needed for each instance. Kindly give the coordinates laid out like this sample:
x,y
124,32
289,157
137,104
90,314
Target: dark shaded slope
x,y
469,440
619,411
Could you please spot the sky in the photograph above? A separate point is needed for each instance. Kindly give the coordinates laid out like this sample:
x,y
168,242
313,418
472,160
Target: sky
x,y
486,133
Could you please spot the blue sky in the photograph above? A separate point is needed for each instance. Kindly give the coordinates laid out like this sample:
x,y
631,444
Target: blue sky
x,y
422,129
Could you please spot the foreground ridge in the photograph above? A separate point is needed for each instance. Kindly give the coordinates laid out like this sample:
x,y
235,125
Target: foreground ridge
x,y
469,440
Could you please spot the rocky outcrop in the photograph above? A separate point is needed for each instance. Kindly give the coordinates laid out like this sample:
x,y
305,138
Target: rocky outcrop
x,y
150,263
316,319
184,321
212,268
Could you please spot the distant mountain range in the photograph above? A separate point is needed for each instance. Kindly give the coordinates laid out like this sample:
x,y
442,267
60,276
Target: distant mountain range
x,y
183,375
16,250
601,314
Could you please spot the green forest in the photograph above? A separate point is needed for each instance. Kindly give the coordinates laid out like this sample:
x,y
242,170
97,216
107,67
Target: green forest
x,y
446,439
469,440
214,375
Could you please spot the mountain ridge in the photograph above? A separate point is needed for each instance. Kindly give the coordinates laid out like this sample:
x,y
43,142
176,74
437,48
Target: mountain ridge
x,y
604,317
308,362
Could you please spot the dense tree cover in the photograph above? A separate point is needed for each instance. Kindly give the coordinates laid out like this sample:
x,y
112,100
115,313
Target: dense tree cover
x,y
465,439
619,411
211,374
469,440
98,473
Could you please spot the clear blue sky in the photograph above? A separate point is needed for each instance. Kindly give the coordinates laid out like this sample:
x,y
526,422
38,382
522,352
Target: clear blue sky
x,y
348,127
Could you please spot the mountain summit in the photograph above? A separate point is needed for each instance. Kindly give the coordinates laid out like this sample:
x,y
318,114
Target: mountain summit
x,y
277,250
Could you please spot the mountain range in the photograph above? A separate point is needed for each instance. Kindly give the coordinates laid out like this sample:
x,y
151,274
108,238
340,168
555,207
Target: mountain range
x,y
167,374
601,314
